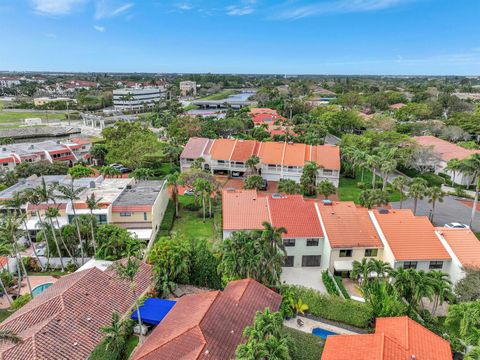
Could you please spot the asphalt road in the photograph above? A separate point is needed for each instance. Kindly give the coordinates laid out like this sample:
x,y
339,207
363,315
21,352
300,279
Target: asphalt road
x,y
449,211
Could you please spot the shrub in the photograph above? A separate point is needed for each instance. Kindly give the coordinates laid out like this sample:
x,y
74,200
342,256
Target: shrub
x,y
334,308
192,207
71,267
31,264
204,264
361,185
329,284
21,301
305,346
168,217
460,192
338,280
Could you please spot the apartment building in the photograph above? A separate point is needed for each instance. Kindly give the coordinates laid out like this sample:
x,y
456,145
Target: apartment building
x,y
270,120
278,160
9,81
70,151
331,235
138,206
188,88
447,151
136,98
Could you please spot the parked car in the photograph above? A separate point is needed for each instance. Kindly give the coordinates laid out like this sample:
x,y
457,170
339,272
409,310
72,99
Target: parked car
x,y
236,174
124,170
41,249
264,185
189,192
456,225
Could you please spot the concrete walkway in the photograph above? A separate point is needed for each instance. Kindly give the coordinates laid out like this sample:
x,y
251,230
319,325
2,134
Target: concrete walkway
x,y
310,277
309,325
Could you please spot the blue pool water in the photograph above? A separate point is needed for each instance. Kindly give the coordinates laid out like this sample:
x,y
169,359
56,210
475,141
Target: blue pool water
x,y
40,288
322,333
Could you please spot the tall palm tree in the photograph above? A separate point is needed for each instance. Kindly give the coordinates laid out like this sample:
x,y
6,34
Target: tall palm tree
x,y
272,238
9,335
401,184
361,269
442,288
115,334
386,168
204,189
373,162
173,181
326,188
92,204
471,167
417,190
71,193
434,194
252,163
50,214
454,165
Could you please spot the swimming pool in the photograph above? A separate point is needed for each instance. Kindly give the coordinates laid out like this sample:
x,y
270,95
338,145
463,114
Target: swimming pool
x,y
322,333
37,290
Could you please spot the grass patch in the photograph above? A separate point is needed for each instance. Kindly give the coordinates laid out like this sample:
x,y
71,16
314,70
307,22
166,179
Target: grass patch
x,y
190,223
338,280
191,107
5,313
168,219
221,95
12,117
433,179
306,346
48,273
131,344
348,190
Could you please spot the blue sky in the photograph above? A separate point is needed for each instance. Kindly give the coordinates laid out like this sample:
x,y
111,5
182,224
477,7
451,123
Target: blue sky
x,y
242,36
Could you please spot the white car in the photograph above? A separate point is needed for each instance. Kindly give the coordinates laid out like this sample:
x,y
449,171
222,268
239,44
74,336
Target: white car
x,y
456,225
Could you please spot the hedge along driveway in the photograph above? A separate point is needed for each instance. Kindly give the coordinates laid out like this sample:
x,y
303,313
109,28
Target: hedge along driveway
x,y
335,308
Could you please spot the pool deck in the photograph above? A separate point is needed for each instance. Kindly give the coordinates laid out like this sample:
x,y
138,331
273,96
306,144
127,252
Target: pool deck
x,y
34,281
309,325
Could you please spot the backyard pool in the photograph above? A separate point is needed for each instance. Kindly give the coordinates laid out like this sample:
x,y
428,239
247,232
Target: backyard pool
x,y
37,290
322,333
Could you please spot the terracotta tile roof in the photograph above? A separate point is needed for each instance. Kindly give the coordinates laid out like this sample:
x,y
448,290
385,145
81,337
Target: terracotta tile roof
x,y
348,226
243,150
255,111
410,237
195,148
285,213
327,156
244,210
64,322
271,152
397,338
208,325
464,244
296,154
446,150
222,149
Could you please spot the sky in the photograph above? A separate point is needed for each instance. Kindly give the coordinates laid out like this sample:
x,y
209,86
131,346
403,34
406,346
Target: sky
x,y
378,37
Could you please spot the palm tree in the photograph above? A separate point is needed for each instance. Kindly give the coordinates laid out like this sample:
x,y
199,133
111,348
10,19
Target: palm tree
x,y
92,204
417,190
252,163
115,334
380,267
272,238
288,186
361,268
471,167
434,194
386,168
326,188
202,187
141,174
71,193
442,288
173,181
309,178
463,321
50,214
9,335
372,197
453,165
373,162
358,159
128,271
401,184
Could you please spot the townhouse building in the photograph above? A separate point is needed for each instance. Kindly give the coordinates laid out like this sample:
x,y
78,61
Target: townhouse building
x,y
278,160
138,206
270,120
331,235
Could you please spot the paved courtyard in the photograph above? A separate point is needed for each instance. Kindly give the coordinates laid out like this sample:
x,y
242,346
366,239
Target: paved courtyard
x,y
34,281
310,277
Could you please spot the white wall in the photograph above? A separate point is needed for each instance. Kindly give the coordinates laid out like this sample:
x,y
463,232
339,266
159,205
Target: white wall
x,y
301,249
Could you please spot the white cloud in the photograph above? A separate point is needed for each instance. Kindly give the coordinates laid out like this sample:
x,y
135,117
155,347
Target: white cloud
x,y
184,6
108,9
239,10
99,28
338,6
56,7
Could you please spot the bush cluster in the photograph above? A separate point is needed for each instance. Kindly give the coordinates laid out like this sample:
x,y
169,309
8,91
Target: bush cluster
x,y
168,218
338,280
329,284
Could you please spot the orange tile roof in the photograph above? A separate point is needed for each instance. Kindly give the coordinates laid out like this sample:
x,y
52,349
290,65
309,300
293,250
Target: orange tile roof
x,y
410,237
243,150
464,244
271,152
296,154
195,148
222,149
244,210
396,338
208,325
326,156
255,111
348,226
446,150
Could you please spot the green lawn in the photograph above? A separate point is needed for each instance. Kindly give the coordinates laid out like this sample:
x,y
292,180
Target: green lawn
x,y
5,313
221,95
191,107
348,190
14,117
132,343
307,346
190,223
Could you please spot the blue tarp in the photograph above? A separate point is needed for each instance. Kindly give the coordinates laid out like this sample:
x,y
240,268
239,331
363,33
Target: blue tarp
x,y
154,310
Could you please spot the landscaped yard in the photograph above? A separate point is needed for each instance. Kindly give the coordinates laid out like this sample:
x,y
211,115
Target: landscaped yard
x,y
15,117
307,346
221,95
349,191
190,223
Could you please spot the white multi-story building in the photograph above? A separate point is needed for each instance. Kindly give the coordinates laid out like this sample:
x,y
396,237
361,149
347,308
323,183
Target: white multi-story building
x,y
136,98
188,88
9,81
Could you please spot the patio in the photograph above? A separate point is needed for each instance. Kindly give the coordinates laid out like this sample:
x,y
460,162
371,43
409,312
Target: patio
x,y
310,277
352,288
34,281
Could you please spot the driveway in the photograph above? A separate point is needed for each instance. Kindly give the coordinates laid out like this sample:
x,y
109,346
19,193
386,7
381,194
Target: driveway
x,y
310,277
451,210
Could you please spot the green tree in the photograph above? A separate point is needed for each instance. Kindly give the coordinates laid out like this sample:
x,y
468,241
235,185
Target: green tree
x,y
80,171
289,187
252,163
468,288
93,204
50,214
370,198
401,184
471,167
114,242
253,182
463,322
326,188
417,190
204,189
453,166
309,178
116,335
434,194
173,181
141,174
99,152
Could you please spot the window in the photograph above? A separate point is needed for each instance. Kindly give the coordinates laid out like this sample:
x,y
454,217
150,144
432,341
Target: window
x,y
5,164
33,213
410,265
311,260
288,242
436,265
145,216
289,261
125,213
346,253
371,252
221,162
312,242
327,172
272,167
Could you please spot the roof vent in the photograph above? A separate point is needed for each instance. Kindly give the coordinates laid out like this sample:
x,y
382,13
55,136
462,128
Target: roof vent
x,y
92,184
413,357
276,196
383,211
129,187
327,202
4,149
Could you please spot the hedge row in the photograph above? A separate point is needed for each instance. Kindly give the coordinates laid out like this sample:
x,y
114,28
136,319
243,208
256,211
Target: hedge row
x,y
338,280
329,284
168,219
334,308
